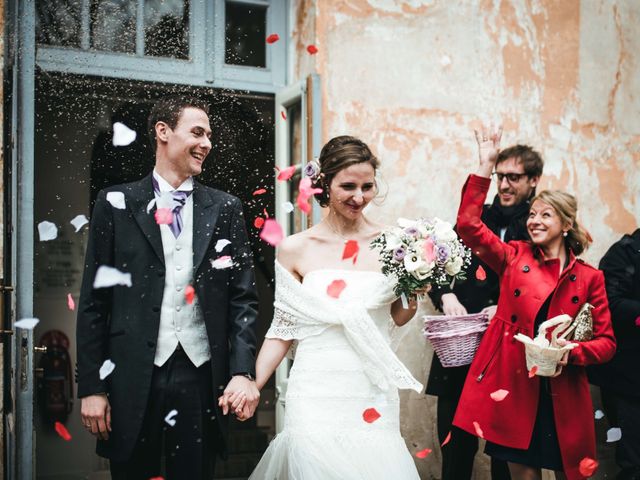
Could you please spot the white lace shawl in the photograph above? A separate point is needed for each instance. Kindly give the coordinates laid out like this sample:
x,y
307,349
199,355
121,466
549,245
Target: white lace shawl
x,y
300,313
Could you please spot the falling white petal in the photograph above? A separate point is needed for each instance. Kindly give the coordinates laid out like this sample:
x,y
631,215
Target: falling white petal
x,y
27,323
106,369
47,231
170,418
122,135
220,244
614,434
222,263
116,199
109,276
599,414
445,60
150,205
79,221
288,207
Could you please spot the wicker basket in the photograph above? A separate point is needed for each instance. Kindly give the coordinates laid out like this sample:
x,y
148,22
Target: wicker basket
x,y
455,339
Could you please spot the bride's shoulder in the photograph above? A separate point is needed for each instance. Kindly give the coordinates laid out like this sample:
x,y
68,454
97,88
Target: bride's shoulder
x,y
291,249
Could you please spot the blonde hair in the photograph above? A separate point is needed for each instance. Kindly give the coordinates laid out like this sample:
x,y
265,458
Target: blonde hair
x,y
566,206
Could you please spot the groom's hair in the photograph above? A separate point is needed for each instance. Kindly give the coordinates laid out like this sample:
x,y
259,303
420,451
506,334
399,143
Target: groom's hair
x,y
530,159
168,110
339,153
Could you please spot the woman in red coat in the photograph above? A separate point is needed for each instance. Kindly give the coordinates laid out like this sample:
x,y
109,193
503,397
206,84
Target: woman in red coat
x,y
543,422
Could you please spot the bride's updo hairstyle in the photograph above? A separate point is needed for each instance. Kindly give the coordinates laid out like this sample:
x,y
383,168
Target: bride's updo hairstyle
x,y
566,206
339,153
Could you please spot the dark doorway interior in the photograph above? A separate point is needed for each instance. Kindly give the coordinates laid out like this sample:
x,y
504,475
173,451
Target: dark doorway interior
x,y
75,158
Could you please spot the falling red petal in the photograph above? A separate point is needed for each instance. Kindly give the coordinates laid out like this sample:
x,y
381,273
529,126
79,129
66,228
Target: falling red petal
x,y
499,395
335,288
478,430
273,38
70,303
370,415
283,114
351,249
156,478
164,216
189,294
287,173
423,453
272,232
481,274
312,49
62,431
258,222
533,371
260,191
588,466
446,440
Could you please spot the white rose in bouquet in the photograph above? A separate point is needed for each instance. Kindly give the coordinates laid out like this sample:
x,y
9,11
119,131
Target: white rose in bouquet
x,y
406,223
393,241
454,266
417,267
444,231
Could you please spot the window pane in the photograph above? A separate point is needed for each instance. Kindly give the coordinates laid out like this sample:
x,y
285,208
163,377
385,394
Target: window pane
x,y
166,28
58,22
245,35
113,25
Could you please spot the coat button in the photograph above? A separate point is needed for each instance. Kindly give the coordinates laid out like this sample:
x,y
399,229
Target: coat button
x,y
516,292
514,318
155,309
160,274
572,277
575,299
151,343
526,269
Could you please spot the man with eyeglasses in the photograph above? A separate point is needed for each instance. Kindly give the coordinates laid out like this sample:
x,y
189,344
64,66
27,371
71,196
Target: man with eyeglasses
x,y
517,173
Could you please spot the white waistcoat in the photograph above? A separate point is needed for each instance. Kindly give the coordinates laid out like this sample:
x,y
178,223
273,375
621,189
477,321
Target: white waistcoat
x,y
180,322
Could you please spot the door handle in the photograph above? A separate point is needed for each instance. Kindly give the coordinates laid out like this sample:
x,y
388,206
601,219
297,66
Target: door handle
x,y
40,349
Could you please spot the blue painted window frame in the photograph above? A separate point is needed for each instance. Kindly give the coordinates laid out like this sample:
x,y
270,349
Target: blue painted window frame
x,y
205,66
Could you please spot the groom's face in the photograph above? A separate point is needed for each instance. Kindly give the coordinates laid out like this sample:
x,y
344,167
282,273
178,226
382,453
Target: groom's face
x,y
189,143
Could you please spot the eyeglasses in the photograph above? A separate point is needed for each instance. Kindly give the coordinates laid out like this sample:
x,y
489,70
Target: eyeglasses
x,y
511,177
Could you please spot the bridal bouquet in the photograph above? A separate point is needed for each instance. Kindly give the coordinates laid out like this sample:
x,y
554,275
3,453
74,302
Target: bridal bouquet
x,y
421,252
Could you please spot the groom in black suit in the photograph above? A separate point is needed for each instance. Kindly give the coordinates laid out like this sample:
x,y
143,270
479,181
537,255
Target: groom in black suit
x,y
173,351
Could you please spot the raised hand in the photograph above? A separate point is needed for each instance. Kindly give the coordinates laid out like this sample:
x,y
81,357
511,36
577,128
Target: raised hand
x,y
488,139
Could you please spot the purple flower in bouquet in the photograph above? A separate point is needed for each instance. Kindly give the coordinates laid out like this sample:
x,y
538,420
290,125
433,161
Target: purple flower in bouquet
x,y
442,254
399,253
413,231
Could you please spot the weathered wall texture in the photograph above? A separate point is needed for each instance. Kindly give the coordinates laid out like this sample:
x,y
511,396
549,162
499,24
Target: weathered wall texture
x,y
413,77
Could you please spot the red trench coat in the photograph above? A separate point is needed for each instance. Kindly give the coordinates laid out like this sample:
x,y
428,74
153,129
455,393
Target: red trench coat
x,y
526,281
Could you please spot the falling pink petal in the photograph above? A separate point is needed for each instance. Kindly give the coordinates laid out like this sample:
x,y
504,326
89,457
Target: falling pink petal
x,y
272,232
305,191
303,203
312,49
273,38
478,430
638,322
189,294
258,222
481,274
70,303
499,395
164,216
423,453
286,173
222,262
351,249
62,431
260,191
588,466
335,288
533,371
370,415
446,440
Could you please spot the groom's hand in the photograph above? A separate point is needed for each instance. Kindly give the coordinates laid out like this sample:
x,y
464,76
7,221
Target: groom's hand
x,y
241,397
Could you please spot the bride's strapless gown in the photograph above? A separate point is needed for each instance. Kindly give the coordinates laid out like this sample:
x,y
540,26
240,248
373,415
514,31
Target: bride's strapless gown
x,y
325,436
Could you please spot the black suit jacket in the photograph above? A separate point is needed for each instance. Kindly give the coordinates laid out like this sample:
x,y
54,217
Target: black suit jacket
x,y
621,267
121,323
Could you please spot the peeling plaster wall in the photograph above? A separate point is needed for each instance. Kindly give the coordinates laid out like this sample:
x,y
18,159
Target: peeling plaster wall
x,y
412,78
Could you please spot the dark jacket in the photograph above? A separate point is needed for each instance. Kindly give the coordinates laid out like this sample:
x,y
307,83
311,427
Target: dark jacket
x,y
475,294
121,323
621,267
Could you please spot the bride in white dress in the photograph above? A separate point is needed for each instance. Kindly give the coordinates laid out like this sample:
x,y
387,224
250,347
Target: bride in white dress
x,y
343,366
